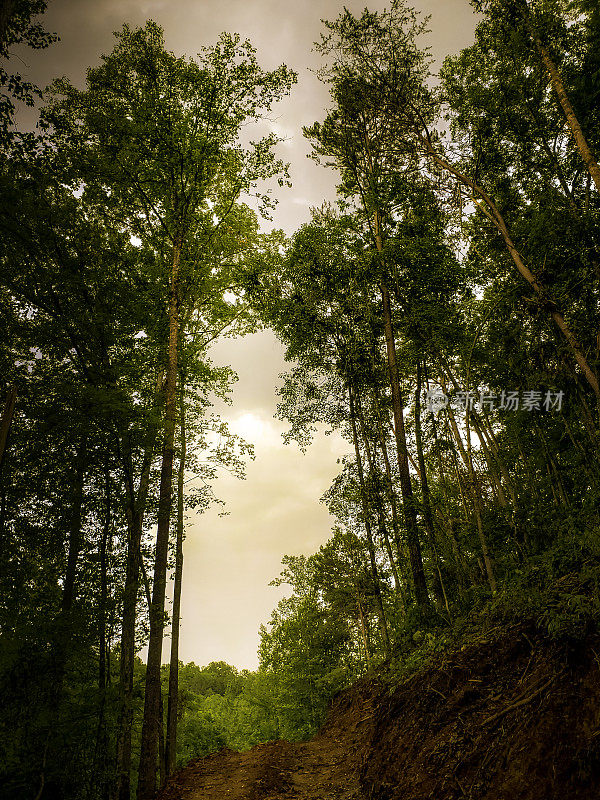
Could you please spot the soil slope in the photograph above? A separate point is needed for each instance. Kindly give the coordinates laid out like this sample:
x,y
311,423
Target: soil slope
x,y
517,718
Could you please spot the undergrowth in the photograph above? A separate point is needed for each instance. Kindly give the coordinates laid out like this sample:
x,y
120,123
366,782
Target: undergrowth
x,y
558,592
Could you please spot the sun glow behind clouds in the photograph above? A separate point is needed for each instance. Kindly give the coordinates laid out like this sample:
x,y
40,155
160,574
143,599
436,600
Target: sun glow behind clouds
x,y
258,430
249,426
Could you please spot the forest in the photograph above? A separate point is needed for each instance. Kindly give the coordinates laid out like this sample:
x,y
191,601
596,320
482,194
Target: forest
x,y
442,316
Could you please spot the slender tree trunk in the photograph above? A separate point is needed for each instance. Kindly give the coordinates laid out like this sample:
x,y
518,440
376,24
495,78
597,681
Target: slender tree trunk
x,y
98,773
172,706
103,591
367,519
559,174
553,470
487,559
408,503
557,84
162,758
496,483
493,445
135,514
43,769
461,488
127,659
589,464
104,641
75,527
400,553
427,515
447,520
363,632
457,470
356,565
63,630
7,415
378,502
474,487
152,722
587,417
465,456
531,473
494,215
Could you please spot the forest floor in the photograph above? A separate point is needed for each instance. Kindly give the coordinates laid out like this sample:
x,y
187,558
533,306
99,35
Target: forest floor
x,y
514,717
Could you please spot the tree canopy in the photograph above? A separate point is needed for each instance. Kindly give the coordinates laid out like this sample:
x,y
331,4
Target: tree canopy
x,y
442,316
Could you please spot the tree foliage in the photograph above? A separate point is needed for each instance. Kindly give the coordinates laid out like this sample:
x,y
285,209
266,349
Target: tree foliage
x,y
442,317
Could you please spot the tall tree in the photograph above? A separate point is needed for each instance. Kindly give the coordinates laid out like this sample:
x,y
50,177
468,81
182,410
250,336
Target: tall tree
x,y
167,131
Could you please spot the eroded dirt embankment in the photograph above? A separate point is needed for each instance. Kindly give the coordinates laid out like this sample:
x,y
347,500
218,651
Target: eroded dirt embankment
x,y
516,719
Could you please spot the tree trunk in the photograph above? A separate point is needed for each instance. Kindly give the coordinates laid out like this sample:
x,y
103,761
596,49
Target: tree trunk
x,y
493,445
448,522
172,706
492,212
427,515
487,560
151,722
589,464
557,84
553,470
367,519
63,631
135,515
99,784
75,527
474,487
7,415
378,501
408,504
104,589
363,633
494,475
162,760
400,553
357,565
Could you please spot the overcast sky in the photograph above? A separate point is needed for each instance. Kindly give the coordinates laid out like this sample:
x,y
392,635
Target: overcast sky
x,y
230,560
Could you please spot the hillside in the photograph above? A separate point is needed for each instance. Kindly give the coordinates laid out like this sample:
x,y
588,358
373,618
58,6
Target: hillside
x,y
514,717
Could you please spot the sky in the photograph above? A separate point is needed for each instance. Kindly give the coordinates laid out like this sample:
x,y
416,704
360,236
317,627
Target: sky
x,y
229,561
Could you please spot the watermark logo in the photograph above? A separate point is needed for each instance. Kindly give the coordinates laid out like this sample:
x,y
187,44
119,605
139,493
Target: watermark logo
x,y
530,400
436,400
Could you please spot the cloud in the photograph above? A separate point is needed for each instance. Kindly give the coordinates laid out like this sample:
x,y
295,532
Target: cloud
x,y
231,560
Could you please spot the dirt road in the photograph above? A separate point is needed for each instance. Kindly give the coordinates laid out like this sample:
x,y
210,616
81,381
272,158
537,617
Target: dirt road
x,y
324,768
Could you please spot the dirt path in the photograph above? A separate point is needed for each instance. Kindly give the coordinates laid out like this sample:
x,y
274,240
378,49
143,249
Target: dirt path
x,y
324,768
274,770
